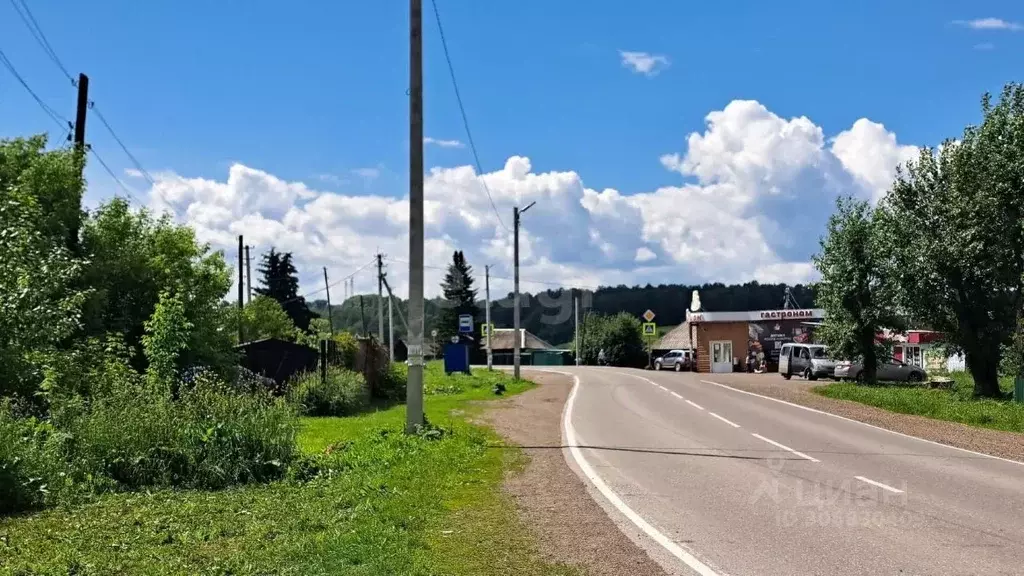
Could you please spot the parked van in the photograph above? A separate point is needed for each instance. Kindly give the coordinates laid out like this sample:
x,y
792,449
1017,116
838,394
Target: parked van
x,y
808,360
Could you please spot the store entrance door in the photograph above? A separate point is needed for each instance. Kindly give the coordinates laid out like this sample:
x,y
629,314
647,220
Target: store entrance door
x,y
721,356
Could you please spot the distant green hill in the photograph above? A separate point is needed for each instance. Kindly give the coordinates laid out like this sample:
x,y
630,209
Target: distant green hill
x,y
549,315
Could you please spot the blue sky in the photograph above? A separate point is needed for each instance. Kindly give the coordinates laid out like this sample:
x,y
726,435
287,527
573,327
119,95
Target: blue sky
x,y
310,92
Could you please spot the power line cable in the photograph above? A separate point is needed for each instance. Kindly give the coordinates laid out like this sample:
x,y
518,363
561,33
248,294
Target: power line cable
x,y
112,175
332,284
57,118
135,161
37,32
465,119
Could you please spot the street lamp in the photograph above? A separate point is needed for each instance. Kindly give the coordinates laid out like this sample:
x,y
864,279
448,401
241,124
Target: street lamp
x,y
517,336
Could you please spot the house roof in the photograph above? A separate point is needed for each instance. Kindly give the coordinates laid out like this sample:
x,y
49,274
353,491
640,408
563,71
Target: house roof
x,y
677,339
504,339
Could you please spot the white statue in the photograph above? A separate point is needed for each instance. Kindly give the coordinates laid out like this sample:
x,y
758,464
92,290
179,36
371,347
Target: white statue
x,y
695,301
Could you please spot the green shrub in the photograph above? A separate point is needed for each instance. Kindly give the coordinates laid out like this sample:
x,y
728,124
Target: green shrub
x,y
342,394
391,384
33,469
210,437
23,470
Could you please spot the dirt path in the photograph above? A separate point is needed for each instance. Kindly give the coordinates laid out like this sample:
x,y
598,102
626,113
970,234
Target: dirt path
x,y
995,442
552,500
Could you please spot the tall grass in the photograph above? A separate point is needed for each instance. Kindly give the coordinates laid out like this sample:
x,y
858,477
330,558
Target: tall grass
x,y
955,404
343,393
135,435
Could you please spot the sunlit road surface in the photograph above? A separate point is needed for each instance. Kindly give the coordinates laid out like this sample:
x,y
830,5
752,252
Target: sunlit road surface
x,y
712,480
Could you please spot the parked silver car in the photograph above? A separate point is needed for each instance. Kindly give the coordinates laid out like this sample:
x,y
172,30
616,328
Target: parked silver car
x,y
677,360
889,369
808,360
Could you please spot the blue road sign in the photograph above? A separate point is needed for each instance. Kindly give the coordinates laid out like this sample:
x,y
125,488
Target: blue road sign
x,y
466,323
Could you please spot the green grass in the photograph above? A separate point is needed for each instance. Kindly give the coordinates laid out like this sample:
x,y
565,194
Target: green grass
x,y
394,504
955,404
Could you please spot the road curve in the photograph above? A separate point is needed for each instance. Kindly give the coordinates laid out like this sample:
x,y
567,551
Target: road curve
x,y
718,481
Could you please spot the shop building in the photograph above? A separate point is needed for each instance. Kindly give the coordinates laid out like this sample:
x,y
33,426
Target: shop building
x,y
723,340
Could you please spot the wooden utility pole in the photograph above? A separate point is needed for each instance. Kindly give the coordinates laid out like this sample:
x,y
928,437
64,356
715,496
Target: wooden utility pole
x,y
241,289
330,315
80,113
248,275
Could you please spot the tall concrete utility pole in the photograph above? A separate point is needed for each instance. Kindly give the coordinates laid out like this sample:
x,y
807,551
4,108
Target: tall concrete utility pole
x,y
576,332
414,386
380,298
330,315
487,314
241,288
516,334
248,275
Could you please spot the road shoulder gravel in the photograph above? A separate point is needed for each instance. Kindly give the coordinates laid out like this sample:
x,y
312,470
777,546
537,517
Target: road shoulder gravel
x,y
552,500
993,442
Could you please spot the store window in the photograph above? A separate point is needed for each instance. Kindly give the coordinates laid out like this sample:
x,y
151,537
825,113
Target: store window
x,y
912,355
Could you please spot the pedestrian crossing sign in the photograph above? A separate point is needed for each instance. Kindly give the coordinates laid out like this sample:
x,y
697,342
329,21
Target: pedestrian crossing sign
x,y
484,329
650,329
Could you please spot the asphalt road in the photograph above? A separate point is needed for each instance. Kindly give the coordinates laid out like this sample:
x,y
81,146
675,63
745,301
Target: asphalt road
x,y
716,481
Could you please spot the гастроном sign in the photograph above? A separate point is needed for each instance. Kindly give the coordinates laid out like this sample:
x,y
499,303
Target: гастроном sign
x,y
786,314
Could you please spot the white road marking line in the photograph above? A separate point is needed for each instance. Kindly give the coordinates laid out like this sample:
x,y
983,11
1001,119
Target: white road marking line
x,y
784,447
570,437
879,484
676,394
694,404
815,410
727,421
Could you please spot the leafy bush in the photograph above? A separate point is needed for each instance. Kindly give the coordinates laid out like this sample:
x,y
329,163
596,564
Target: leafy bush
x,y
342,394
391,385
210,437
348,347
23,466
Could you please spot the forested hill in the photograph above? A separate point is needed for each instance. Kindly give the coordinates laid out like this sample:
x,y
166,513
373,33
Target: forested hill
x,y
549,314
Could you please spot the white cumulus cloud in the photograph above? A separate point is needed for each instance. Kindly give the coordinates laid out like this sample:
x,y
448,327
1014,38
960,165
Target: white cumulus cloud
x,y
749,200
644,62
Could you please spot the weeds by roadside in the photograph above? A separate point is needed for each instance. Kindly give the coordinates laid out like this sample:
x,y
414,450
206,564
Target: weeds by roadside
x,y
364,498
955,404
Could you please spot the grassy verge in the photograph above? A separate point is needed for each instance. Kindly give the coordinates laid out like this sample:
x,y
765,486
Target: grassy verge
x,y
389,504
955,404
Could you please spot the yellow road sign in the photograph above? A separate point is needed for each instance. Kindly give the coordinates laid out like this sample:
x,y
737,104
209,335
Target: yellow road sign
x,y
650,329
483,329
649,315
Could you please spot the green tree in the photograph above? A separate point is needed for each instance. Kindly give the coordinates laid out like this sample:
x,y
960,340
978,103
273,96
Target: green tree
x,y
459,297
132,259
280,281
265,318
167,336
53,179
853,288
954,228
619,335
40,300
